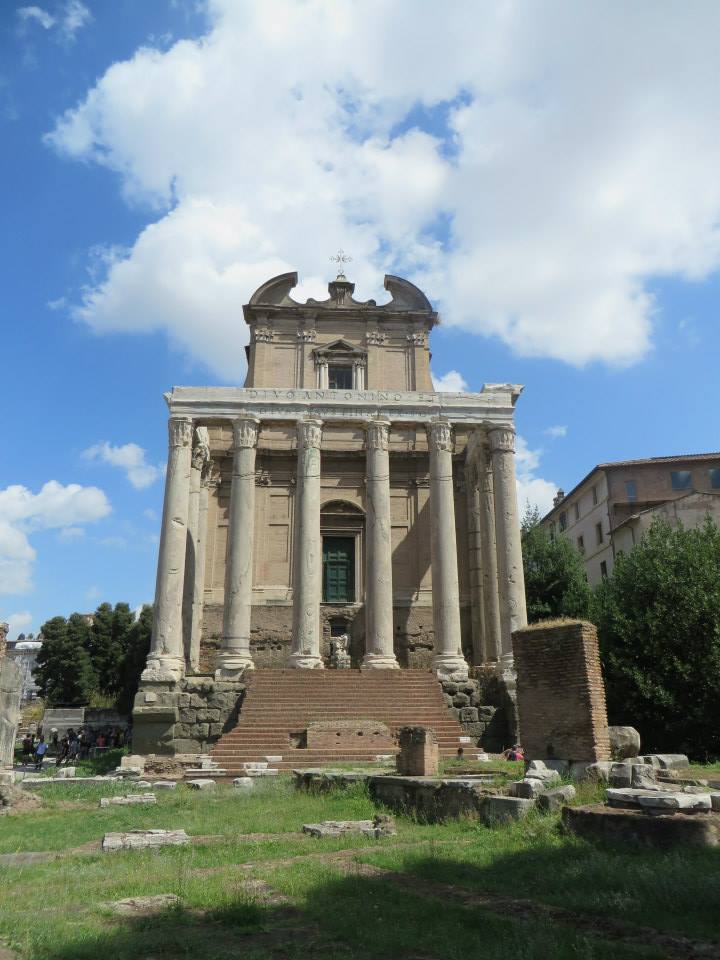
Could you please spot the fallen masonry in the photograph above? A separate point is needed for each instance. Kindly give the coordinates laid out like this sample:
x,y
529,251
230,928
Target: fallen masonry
x,y
31,783
201,784
145,906
380,826
143,840
128,801
664,829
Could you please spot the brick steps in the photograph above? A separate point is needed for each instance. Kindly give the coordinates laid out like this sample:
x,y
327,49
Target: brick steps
x,y
279,703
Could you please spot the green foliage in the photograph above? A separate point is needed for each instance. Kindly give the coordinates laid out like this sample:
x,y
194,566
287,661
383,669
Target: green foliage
x,y
136,650
555,579
658,618
109,644
65,674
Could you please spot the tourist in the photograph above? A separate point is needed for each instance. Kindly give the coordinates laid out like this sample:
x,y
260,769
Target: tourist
x,y
514,753
54,739
63,750
73,748
40,751
27,748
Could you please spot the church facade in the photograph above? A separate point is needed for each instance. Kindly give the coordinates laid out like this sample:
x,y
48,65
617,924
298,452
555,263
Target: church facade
x,y
335,495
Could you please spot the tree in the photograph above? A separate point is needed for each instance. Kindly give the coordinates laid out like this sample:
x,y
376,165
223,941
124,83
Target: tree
x,y
109,639
64,673
555,580
658,618
138,646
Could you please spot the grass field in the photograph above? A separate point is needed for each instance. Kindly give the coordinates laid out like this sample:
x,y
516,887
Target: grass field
x,y
254,887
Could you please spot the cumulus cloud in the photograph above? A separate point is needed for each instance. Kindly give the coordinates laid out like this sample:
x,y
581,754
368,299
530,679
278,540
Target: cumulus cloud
x,y
555,432
71,17
22,513
450,382
129,457
531,488
534,181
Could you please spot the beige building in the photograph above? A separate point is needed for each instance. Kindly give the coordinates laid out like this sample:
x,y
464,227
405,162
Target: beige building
x,y
611,508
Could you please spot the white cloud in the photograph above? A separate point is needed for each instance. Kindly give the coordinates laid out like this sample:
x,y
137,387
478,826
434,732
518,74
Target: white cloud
x,y
555,432
451,382
129,457
23,513
572,159
38,15
531,488
18,622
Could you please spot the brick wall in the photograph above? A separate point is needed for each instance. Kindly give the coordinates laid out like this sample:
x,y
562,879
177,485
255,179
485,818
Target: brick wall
x,y
560,692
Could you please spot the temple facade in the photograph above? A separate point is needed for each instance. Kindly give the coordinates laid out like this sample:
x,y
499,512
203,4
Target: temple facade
x,y
336,494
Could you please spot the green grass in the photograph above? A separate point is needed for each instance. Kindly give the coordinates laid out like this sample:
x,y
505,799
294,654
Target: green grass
x,y
57,909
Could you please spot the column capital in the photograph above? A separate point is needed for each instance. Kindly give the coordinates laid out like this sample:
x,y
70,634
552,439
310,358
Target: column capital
x,y
440,435
309,434
180,431
377,434
502,438
245,432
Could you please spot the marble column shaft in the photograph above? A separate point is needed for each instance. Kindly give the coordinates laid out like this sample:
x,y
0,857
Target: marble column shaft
x,y
379,652
191,552
492,636
235,653
448,661
474,531
209,481
166,659
511,578
307,561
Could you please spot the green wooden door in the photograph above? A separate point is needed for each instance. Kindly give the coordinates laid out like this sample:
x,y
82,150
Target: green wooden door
x,y
338,569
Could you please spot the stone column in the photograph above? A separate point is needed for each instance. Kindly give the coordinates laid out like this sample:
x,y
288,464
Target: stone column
x,y
359,373
379,653
200,454
322,369
307,561
511,580
492,639
449,661
166,659
209,481
475,560
235,654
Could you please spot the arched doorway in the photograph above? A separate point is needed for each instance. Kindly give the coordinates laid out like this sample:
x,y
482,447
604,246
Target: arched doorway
x,y
341,526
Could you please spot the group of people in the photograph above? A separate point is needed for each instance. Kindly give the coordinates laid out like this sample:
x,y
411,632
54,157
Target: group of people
x,y
72,746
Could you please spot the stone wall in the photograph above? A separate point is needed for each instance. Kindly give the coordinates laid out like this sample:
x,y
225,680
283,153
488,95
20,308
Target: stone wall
x,y
560,692
10,693
185,717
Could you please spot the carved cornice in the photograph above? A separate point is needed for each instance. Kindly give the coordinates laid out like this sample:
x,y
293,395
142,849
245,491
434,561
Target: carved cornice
x,y
502,439
180,431
378,434
309,434
245,432
440,435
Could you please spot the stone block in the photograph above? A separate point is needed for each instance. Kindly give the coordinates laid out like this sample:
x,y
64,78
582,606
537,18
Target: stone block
x,y
554,800
559,766
624,742
529,789
131,800
380,826
715,802
143,840
461,700
486,712
620,775
672,761
66,773
642,775
164,784
419,755
538,770
497,809
447,699
474,730
676,801
599,771
243,783
450,687
468,715
142,785
200,784
597,822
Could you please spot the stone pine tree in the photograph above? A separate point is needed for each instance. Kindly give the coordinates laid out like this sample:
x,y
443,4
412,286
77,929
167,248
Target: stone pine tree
x,y
658,619
555,579
109,639
64,674
137,648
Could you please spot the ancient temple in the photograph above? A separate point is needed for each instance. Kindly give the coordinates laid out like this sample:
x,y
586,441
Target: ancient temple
x,y
335,501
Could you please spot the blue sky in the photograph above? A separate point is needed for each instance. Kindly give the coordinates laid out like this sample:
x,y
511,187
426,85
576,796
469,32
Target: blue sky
x,y
554,190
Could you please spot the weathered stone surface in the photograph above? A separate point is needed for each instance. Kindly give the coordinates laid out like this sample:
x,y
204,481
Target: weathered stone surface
x,y
461,700
380,826
529,789
620,775
537,770
201,784
606,824
143,839
625,796
468,715
624,742
419,753
554,800
676,801
164,784
344,733
65,773
715,801
132,799
672,761
145,906
642,775
243,783
496,809
599,771
10,693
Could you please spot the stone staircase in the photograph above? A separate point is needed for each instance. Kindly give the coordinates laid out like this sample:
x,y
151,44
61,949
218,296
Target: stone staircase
x,y
279,704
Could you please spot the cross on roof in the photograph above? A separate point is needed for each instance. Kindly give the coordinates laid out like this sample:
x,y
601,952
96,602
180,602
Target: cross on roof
x,y
340,258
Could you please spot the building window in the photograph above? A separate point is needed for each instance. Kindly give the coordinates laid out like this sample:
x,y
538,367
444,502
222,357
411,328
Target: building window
x,y
581,544
631,490
598,533
563,521
714,478
681,479
594,495
340,377
577,511
603,569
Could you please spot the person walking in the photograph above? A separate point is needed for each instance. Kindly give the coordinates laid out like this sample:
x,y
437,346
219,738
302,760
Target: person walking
x,y
40,751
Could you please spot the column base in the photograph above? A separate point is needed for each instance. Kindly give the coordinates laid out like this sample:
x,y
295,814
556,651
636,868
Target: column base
x,y
450,667
379,661
161,669
232,666
305,661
